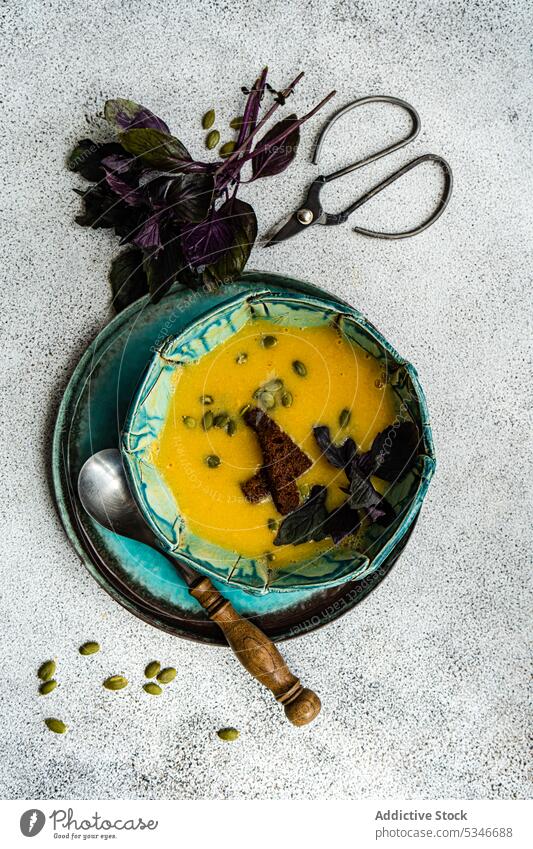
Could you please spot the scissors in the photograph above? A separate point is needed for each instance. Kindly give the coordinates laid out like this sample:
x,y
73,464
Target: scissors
x,y
312,212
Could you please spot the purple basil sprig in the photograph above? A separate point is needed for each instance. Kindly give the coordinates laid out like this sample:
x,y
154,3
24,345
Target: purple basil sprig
x,y
180,218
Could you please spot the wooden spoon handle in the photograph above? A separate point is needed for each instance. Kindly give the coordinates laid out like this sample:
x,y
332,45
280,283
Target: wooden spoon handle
x,y
258,655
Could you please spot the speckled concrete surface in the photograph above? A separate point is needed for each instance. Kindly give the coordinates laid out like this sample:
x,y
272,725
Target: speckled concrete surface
x,y
423,685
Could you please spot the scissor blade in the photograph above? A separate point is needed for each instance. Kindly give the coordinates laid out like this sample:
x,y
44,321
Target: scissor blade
x,y
287,231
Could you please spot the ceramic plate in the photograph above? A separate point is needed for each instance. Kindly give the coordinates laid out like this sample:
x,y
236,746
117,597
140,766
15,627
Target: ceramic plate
x,y
91,417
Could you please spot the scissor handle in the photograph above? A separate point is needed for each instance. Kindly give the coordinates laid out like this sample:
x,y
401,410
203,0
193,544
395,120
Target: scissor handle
x,y
439,209
376,98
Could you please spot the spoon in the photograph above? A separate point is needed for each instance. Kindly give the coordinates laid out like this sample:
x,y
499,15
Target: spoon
x,y
105,495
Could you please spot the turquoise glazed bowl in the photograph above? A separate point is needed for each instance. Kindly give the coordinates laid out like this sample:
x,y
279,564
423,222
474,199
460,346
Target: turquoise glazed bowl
x,y
149,409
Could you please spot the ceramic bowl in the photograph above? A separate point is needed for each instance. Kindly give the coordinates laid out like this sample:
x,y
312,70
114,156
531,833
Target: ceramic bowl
x,y
149,409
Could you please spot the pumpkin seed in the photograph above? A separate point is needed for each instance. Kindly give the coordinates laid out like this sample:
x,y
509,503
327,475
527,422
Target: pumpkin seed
x,y
379,383
269,557
244,409
152,669
209,119
272,525
212,461
189,422
89,648
236,123
166,675
115,682
241,358
286,399
228,733
206,400
207,420
221,420
267,400
227,149
344,418
268,341
47,687
212,139
273,385
47,670
152,688
56,725
231,427
299,368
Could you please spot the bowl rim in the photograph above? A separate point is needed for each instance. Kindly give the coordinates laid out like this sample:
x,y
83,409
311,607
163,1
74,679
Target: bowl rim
x,y
314,300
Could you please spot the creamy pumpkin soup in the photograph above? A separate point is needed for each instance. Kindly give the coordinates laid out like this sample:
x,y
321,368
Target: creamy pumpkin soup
x,y
210,452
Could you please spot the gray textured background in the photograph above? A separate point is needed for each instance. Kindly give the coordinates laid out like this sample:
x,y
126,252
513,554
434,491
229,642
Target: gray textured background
x,y
424,684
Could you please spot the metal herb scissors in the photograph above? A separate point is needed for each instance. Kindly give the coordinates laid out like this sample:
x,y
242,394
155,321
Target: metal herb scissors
x,y
311,212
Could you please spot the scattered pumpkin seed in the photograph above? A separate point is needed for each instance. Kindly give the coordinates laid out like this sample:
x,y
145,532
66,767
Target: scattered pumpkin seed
x,y
221,420
228,733
207,420
152,669
166,675
241,358
56,725
47,687
286,399
212,461
89,648
269,557
47,670
189,422
273,385
268,341
231,427
267,400
272,525
236,123
227,149
299,368
206,400
209,119
152,688
344,417
379,383
212,139
115,682
244,409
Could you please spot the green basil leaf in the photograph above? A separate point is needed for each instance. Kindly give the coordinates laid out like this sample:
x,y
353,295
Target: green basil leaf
x,y
159,149
308,522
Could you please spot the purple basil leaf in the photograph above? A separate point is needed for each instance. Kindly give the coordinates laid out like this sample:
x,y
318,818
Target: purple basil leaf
x,y
185,197
130,195
87,158
342,521
362,496
276,155
128,278
306,523
223,241
394,451
148,235
230,264
126,114
339,456
117,162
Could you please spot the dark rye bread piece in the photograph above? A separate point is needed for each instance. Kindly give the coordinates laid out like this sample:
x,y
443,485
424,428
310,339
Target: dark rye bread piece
x,y
256,488
283,461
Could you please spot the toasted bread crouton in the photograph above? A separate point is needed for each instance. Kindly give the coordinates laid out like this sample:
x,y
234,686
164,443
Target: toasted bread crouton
x,y
283,460
256,488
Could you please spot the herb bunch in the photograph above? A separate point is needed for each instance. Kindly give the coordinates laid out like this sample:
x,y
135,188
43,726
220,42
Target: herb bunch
x,y
181,218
